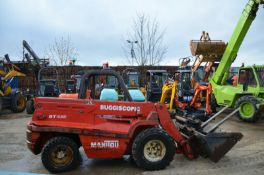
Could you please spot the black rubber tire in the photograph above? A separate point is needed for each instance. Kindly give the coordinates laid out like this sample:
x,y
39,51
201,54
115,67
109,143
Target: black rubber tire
x,y
213,103
142,139
30,106
15,107
52,144
254,102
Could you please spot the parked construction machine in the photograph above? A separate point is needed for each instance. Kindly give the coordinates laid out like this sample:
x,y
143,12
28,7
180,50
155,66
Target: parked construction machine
x,y
154,83
46,77
248,94
10,95
181,97
72,86
115,125
189,89
47,87
131,77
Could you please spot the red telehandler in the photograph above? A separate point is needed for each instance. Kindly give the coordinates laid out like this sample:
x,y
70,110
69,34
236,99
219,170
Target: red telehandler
x,y
116,124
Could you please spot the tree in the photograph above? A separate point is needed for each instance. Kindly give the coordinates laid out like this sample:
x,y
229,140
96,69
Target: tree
x,y
145,42
62,51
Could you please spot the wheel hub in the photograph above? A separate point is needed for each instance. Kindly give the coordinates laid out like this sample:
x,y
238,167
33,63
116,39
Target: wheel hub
x,y
247,110
154,150
21,102
62,155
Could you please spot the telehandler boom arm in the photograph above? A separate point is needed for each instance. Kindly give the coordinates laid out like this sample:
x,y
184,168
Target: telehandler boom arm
x,y
244,23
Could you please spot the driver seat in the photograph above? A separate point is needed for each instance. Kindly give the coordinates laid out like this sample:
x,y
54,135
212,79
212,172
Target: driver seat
x,y
109,95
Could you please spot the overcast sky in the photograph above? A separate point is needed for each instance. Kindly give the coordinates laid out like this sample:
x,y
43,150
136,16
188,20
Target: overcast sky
x,y
98,28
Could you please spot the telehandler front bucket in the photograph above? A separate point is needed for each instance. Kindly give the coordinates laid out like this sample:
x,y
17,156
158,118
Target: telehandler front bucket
x,y
214,145
211,50
205,141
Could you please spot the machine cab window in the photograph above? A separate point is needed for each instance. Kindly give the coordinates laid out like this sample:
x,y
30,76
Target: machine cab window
x,y
156,78
260,76
104,87
131,78
247,77
108,85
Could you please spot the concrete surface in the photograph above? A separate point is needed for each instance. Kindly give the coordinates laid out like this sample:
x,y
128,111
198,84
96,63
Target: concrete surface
x,y
247,157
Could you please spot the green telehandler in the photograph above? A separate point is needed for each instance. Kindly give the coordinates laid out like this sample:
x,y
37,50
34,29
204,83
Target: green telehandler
x,y
248,95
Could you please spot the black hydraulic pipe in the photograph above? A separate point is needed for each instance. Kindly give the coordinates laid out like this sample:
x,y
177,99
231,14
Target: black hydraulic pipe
x,y
214,116
222,121
31,51
7,59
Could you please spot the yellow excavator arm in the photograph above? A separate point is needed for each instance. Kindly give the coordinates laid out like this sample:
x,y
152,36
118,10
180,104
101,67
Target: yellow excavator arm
x,y
168,87
13,73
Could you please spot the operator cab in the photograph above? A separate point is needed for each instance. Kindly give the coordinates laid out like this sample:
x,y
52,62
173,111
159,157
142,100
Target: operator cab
x,y
48,88
71,86
48,82
131,78
185,91
155,81
108,85
251,77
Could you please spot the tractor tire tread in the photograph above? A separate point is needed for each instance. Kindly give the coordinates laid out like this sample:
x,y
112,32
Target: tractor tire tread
x,y
14,107
252,100
53,142
30,107
138,146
